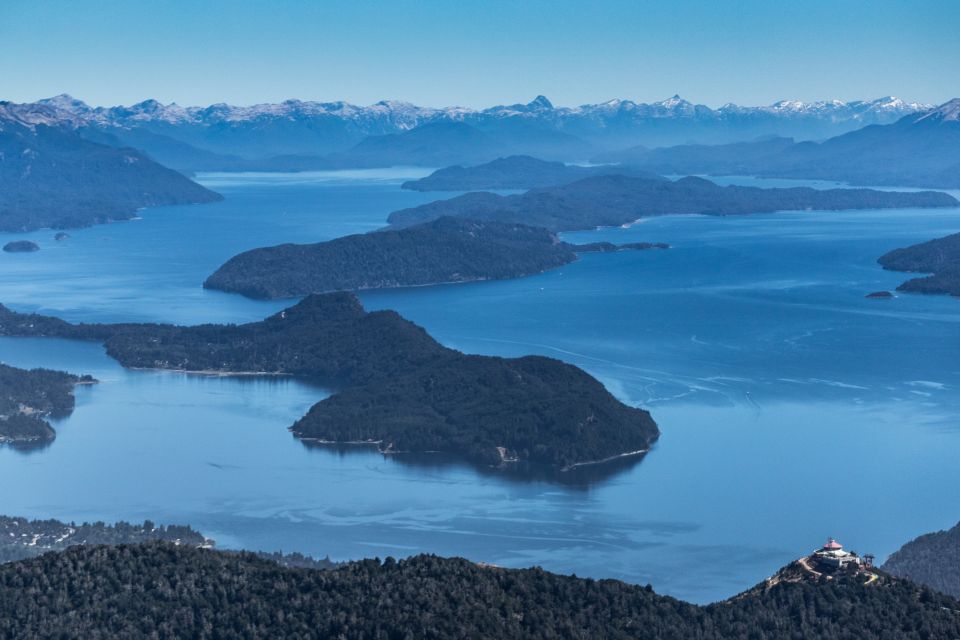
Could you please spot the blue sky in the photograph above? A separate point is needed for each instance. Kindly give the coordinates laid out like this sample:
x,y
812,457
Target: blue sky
x,y
478,53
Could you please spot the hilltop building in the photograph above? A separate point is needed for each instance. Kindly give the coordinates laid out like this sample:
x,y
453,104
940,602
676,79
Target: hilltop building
x,y
833,556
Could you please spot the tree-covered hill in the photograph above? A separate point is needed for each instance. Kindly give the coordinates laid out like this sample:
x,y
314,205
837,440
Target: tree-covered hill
x,y
52,177
396,386
612,200
164,591
445,250
932,559
940,258
442,250
27,397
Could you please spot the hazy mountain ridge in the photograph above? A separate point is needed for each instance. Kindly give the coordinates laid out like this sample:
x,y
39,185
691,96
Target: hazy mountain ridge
x,y
265,135
50,176
404,115
920,149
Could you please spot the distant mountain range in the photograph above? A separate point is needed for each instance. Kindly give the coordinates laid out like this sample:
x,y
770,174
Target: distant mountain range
x,y
298,135
50,176
920,149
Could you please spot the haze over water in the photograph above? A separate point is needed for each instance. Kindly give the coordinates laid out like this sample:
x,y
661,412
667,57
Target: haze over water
x,y
792,408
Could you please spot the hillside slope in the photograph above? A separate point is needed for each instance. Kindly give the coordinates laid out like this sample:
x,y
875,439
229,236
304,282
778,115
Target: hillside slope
x,y
52,177
160,590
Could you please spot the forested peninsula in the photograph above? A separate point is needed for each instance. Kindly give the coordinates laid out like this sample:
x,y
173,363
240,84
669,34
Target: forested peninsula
x,y
516,172
445,250
163,590
395,386
52,177
940,258
613,200
28,397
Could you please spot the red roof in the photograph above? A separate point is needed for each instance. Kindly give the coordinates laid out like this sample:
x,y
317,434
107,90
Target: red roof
x,y
832,545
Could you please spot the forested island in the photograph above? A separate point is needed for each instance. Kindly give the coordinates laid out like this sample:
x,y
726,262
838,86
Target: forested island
x,y
396,387
28,397
52,177
932,559
445,250
163,590
940,257
613,200
516,172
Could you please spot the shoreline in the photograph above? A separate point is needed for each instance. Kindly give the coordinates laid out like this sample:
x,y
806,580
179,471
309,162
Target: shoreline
x,y
627,454
501,451
212,373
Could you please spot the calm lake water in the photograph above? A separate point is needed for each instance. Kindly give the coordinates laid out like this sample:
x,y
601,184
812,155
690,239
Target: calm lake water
x,y
792,408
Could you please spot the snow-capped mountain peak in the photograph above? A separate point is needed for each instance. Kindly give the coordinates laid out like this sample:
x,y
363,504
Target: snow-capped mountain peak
x,y
947,112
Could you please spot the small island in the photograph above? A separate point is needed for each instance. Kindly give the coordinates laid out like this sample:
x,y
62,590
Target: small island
x,y
614,200
516,172
879,295
940,258
396,388
27,398
21,246
442,251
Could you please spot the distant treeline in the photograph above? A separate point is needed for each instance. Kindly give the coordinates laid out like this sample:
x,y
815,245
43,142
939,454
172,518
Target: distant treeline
x,y
612,200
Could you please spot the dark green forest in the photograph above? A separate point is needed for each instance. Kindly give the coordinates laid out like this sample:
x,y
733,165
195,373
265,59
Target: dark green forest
x,y
163,591
612,200
442,250
395,384
29,396
445,250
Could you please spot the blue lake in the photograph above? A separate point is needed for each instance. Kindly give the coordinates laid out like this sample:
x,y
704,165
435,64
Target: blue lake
x,y
792,408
